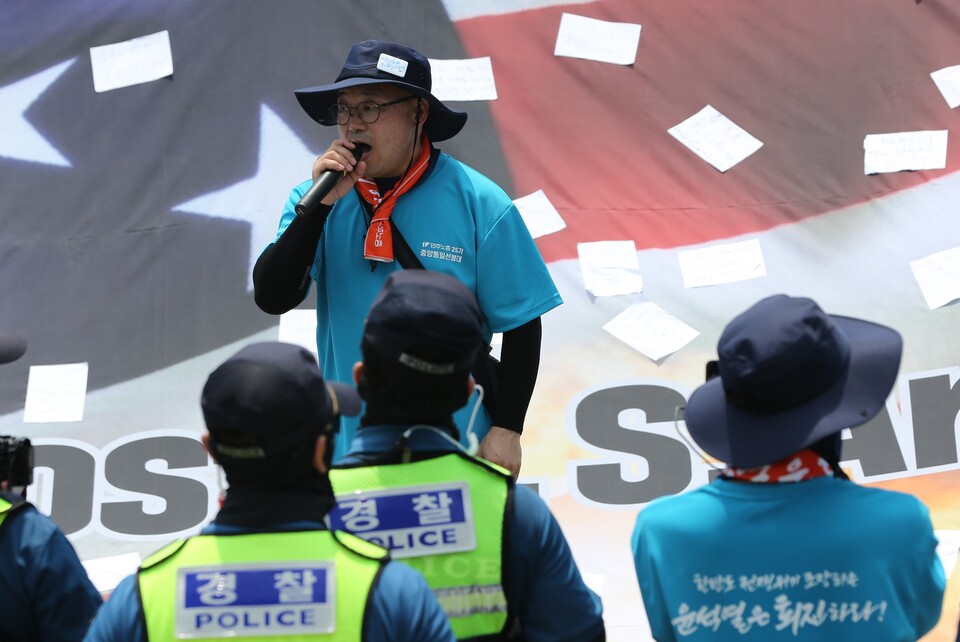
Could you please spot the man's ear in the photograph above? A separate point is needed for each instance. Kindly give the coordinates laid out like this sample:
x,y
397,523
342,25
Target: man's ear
x,y
424,110
357,372
205,440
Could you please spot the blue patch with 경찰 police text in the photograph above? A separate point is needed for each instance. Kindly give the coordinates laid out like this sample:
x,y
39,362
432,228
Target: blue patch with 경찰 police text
x,y
410,521
257,599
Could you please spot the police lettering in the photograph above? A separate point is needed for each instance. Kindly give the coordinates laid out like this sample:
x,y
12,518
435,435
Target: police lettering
x,y
243,620
415,540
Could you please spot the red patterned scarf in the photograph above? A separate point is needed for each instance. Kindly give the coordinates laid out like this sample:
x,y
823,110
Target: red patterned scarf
x,y
378,245
799,466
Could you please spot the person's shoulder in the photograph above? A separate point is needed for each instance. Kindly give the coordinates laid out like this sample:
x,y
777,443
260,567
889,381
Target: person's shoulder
x,y
397,575
468,175
890,501
677,510
302,187
119,617
25,517
528,511
19,506
405,608
401,587
526,497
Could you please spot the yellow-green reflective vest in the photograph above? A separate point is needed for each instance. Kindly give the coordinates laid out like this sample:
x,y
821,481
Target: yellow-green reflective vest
x,y
7,508
443,516
301,585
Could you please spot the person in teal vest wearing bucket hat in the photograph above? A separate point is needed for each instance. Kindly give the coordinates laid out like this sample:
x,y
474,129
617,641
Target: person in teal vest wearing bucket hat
x,y
402,203
782,545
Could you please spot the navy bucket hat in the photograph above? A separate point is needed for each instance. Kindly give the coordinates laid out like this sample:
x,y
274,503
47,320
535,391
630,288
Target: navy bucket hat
x,y
378,62
790,375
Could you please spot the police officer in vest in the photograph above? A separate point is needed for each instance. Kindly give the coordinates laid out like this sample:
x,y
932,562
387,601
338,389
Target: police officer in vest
x,y
267,568
492,552
45,593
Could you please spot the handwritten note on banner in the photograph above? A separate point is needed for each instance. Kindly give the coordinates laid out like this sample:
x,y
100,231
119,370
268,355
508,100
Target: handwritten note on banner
x,y
948,82
904,151
715,138
651,330
131,62
610,268
539,214
591,39
56,393
465,79
724,263
938,276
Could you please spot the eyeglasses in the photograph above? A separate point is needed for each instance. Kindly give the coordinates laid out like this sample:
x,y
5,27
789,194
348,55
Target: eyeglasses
x,y
368,111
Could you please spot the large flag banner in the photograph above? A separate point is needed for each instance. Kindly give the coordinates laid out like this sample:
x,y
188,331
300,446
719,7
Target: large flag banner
x,y
676,162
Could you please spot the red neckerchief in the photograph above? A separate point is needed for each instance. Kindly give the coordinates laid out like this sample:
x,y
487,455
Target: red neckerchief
x,y
378,245
799,466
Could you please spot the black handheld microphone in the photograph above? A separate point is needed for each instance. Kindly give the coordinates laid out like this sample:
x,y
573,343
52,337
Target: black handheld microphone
x,y
324,183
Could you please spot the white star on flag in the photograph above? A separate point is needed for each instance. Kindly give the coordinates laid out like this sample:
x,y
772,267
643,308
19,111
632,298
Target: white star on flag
x,y
18,138
284,161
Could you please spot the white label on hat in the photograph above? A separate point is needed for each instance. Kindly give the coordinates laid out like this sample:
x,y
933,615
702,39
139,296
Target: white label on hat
x,y
392,65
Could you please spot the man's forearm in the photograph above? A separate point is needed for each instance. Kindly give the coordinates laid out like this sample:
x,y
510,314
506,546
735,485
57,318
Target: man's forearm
x,y
519,366
281,276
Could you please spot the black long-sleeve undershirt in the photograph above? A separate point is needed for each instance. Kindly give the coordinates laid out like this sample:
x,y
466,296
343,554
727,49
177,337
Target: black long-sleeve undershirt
x,y
519,365
281,276
281,280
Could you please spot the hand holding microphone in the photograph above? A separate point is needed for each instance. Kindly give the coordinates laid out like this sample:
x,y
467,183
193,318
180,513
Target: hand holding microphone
x,y
324,183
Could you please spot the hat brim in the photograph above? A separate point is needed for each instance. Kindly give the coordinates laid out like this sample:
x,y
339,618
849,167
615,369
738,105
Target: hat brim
x,y
746,439
346,400
442,123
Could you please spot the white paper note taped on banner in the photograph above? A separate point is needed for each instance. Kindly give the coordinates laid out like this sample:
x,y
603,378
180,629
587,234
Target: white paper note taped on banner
x,y
591,39
131,62
715,138
539,214
610,268
56,393
463,79
724,263
651,330
904,151
299,327
938,276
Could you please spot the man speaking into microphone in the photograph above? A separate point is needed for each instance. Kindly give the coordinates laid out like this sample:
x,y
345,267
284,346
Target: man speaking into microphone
x,y
398,202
